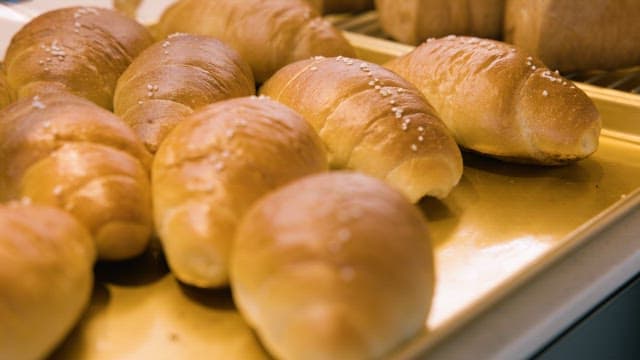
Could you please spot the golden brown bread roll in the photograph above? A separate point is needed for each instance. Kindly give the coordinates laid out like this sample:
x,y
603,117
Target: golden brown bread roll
x,y
82,50
333,266
5,92
46,278
212,167
572,35
174,76
372,120
502,102
267,34
412,21
62,150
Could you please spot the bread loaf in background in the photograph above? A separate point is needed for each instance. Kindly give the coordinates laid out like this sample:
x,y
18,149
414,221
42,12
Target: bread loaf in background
x,y
212,167
413,21
333,266
64,151
500,101
341,6
82,50
372,120
267,34
5,92
46,278
174,76
571,35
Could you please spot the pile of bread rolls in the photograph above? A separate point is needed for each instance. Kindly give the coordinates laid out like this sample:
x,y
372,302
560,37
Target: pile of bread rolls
x,y
111,133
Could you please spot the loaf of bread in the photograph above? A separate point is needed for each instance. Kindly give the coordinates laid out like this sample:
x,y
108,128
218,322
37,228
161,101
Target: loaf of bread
x,y
333,266
267,34
571,35
62,150
82,50
373,121
5,92
341,6
500,101
212,167
413,21
174,76
46,278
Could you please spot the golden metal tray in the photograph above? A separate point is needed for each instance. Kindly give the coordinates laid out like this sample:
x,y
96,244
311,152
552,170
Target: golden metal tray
x,y
503,224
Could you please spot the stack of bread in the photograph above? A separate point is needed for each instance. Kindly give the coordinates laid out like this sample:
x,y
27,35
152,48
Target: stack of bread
x,y
114,138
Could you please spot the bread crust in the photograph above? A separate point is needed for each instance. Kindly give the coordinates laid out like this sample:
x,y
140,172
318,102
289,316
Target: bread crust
x,y
62,150
174,76
500,101
333,266
372,120
212,167
46,278
267,34
569,35
413,21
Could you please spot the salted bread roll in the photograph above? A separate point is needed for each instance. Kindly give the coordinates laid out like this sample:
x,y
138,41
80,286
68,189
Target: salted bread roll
x,y
46,278
571,35
501,102
82,50
174,76
212,167
372,120
267,34
5,92
413,21
333,266
65,151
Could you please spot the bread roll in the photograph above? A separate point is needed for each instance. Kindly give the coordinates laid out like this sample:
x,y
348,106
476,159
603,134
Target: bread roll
x,y
501,102
413,21
372,120
267,34
46,278
5,92
62,150
82,50
333,266
571,35
212,167
174,76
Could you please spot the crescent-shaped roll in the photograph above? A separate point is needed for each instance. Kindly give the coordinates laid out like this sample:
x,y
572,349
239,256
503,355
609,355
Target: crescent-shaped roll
x,y
572,35
174,76
5,92
212,167
46,278
500,101
82,50
413,21
267,34
333,266
372,120
62,150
